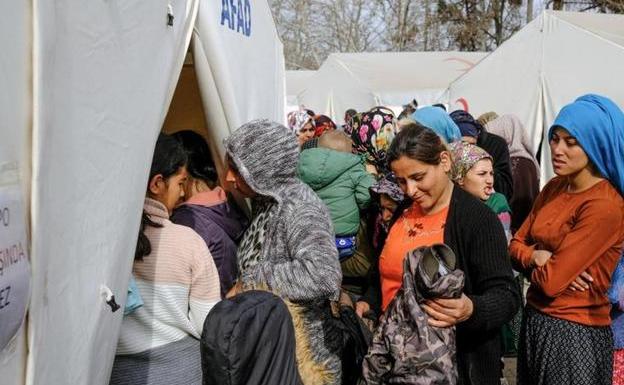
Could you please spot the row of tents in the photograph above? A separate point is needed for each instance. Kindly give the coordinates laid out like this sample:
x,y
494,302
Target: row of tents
x,y
551,61
85,88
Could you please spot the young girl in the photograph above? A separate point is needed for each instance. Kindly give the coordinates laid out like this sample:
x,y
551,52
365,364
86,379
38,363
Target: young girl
x,y
569,247
177,279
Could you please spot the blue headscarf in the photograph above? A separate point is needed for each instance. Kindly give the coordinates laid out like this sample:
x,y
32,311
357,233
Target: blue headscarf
x,y
598,125
438,120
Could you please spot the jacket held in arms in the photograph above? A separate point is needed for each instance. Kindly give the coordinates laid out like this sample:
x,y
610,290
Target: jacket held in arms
x,y
405,348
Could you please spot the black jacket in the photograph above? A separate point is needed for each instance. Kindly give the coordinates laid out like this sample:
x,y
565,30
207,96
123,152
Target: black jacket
x,y
249,340
497,147
477,238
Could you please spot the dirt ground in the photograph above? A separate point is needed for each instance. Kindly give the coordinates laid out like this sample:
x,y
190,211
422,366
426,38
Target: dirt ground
x,y
510,370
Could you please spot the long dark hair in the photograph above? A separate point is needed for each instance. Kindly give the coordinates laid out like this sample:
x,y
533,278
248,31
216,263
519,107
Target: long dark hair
x,y
200,164
169,157
417,142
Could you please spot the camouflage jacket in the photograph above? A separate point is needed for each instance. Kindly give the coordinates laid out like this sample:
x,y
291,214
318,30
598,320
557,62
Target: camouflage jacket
x,y
405,349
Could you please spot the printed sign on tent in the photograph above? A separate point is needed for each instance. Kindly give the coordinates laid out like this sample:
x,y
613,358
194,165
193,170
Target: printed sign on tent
x,y
14,260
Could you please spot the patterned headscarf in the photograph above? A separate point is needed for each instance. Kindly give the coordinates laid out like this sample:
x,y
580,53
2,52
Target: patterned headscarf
x,y
353,122
298,119
323,123
466,123
439,121
374,134
465,156
388,185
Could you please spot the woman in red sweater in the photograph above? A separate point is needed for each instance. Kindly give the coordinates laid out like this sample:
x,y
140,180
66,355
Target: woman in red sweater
x,y
569,246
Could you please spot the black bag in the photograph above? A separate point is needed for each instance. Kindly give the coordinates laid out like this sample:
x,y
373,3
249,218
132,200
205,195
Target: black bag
x,y
355,341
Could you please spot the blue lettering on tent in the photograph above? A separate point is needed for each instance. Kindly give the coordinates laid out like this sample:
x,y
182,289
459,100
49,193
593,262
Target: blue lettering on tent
x,y
237,13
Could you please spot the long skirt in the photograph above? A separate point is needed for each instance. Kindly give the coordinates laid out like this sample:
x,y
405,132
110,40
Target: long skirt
x,y
553,351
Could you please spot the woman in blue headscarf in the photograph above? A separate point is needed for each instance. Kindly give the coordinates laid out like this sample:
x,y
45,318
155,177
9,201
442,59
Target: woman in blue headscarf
x,y
439,121
569,247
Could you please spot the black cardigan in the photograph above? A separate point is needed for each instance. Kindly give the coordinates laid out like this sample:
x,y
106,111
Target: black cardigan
x,y
497,148
477,238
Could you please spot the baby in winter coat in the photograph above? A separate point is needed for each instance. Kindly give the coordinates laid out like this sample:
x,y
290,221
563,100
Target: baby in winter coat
x,y
340,179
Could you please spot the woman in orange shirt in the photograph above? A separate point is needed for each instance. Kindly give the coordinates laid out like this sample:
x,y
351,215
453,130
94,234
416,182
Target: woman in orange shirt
x,y
569,247
436,211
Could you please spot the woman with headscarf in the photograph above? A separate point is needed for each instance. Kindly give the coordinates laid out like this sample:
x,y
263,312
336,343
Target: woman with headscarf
x,y
372,135
525,170
289,248
473,171
302,124
569,247
439,121
473,132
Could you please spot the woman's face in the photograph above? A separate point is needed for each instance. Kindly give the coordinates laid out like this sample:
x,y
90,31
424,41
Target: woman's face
x,y
236,181
388,207
169,191
423,183
306,133
568,158
479,180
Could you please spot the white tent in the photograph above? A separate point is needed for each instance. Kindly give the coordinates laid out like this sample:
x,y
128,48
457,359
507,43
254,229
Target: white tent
x,y
549,63
85,90
392,79
295,83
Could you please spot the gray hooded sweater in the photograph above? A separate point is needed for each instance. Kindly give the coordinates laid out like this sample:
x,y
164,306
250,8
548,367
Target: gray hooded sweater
x,y
299,259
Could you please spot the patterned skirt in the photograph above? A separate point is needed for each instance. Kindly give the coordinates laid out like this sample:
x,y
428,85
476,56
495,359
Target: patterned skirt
x,y
618,367
553,351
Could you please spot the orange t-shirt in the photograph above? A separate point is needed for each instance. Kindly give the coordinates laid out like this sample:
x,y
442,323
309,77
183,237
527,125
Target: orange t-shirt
x,y
412,230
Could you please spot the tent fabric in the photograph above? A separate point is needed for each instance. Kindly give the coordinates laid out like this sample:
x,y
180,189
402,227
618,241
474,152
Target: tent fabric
x,y
241,76
364,80
295,83
542,68
104,74
15,120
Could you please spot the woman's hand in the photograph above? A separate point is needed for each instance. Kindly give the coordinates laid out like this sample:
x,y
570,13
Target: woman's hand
x,y
361,308
235,290
444,313
582,282
540,257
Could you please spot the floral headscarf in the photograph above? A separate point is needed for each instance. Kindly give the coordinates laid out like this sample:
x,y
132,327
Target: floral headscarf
x,y
298,119
374,134
323,123
353,122
465,156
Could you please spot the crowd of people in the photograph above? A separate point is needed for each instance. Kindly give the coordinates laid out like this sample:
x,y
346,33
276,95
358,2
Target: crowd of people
x,y
415,249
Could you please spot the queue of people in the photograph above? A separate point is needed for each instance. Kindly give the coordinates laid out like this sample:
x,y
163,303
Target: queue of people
x,y
383,251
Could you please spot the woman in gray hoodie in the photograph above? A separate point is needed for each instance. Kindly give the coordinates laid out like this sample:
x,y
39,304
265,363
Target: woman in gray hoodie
x,y
289,247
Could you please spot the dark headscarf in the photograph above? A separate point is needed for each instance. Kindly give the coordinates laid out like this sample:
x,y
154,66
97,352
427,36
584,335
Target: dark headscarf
x,y
249,340
466,123
373,135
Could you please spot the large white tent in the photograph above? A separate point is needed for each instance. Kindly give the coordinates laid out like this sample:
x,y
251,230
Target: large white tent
x,y
85,87
365,80
550,62
295,83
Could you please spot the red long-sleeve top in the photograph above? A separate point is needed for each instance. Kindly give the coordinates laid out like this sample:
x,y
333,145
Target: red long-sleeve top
x,y
584,231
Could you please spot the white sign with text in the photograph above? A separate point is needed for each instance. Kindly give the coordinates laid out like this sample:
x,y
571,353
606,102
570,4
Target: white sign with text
x,y
14,259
